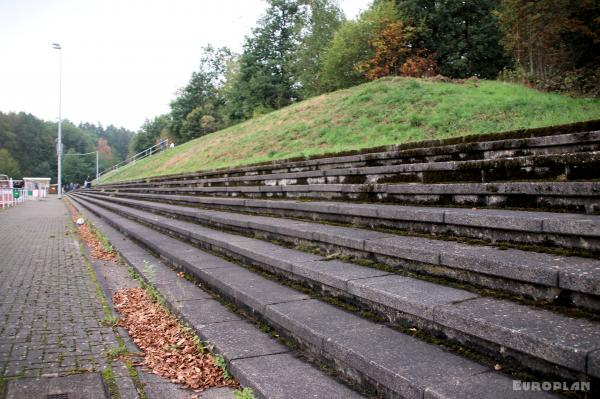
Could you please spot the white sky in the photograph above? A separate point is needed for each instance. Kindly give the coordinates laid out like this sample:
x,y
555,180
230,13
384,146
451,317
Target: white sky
x,y
123,60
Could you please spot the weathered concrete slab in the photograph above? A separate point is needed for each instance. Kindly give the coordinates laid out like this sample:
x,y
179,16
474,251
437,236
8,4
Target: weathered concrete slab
x,y
408,295
546,335
78,386
402,363
240,339
250,289
410,248
334,273
485,385
314,321
179,290
199,313
283,376
510,263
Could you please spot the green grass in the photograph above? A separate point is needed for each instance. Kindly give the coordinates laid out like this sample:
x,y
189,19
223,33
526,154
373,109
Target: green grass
x,y
388,111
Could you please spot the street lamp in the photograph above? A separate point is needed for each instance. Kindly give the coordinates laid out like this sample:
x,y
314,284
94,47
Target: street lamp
x,y
57,46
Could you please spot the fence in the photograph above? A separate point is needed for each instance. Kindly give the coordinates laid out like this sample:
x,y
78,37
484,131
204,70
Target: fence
x,y
15,196
161,146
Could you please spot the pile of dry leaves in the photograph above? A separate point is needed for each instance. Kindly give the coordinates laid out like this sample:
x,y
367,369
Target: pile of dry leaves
x,y
97,250
169,350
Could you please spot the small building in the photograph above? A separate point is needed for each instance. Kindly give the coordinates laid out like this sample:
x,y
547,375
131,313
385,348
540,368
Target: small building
x,y
37,187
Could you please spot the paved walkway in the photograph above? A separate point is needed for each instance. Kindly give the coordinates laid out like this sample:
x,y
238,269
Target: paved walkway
x,y
50,312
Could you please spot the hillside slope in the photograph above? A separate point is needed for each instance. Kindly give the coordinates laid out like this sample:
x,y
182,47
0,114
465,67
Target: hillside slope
x,y
388,111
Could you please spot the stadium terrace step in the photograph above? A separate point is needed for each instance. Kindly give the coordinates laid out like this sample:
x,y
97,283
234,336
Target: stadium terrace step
x,y
580,197
526,337
255,358
574,138
538,275
572,231
383,361
555,167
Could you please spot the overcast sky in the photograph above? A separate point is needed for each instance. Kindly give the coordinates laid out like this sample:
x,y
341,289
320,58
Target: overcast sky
x,y
123,60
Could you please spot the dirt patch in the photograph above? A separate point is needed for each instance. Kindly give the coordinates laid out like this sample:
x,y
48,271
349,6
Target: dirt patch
x,y
169,351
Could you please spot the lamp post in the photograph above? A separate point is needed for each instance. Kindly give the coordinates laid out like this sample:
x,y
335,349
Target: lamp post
x,y
57,46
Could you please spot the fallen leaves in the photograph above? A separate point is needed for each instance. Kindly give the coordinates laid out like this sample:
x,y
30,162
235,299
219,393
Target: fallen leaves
x,y
97,250
169,351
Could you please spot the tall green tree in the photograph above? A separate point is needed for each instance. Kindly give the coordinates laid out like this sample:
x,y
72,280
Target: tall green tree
x,y
463,35
202,98
266,79
8,165
321,19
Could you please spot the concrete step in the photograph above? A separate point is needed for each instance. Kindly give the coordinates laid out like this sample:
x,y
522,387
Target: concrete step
x,y
537,275
255,358
572,138
386,361
533,338
563,230
554,167
579,197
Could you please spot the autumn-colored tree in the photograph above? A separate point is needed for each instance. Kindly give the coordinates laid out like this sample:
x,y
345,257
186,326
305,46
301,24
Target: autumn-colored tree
x,y
395,53
555,43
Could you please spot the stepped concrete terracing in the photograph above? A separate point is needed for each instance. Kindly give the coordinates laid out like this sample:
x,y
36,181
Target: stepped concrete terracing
x,y
381,360
340,256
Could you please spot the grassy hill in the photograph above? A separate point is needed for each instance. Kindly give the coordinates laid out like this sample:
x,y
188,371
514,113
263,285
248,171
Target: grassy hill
x,y
387,111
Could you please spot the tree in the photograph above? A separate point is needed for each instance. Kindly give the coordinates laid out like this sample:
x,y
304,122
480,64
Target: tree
x,y
462,35
105,154
555,43
150,133
322,18
8,165
202,96
350,50
266,79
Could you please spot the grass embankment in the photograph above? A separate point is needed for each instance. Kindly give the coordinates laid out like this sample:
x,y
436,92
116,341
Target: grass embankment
x,y
388,111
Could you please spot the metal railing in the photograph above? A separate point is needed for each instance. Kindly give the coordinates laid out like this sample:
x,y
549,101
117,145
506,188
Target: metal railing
x,y
161,146
15,196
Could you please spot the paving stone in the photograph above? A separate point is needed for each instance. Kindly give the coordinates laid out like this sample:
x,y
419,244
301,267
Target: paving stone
x,y
240,339
334,273
485,385
283,376
546,335
251,289
49,304
79,386
408,295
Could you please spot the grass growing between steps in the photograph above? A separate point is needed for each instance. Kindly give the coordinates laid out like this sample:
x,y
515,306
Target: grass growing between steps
x,y
384,112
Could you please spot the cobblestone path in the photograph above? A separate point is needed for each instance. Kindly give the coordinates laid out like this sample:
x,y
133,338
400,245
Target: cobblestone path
x,y
50,312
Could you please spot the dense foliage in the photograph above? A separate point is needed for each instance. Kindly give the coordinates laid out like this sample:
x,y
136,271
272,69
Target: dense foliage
x,y
304,48
28,147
